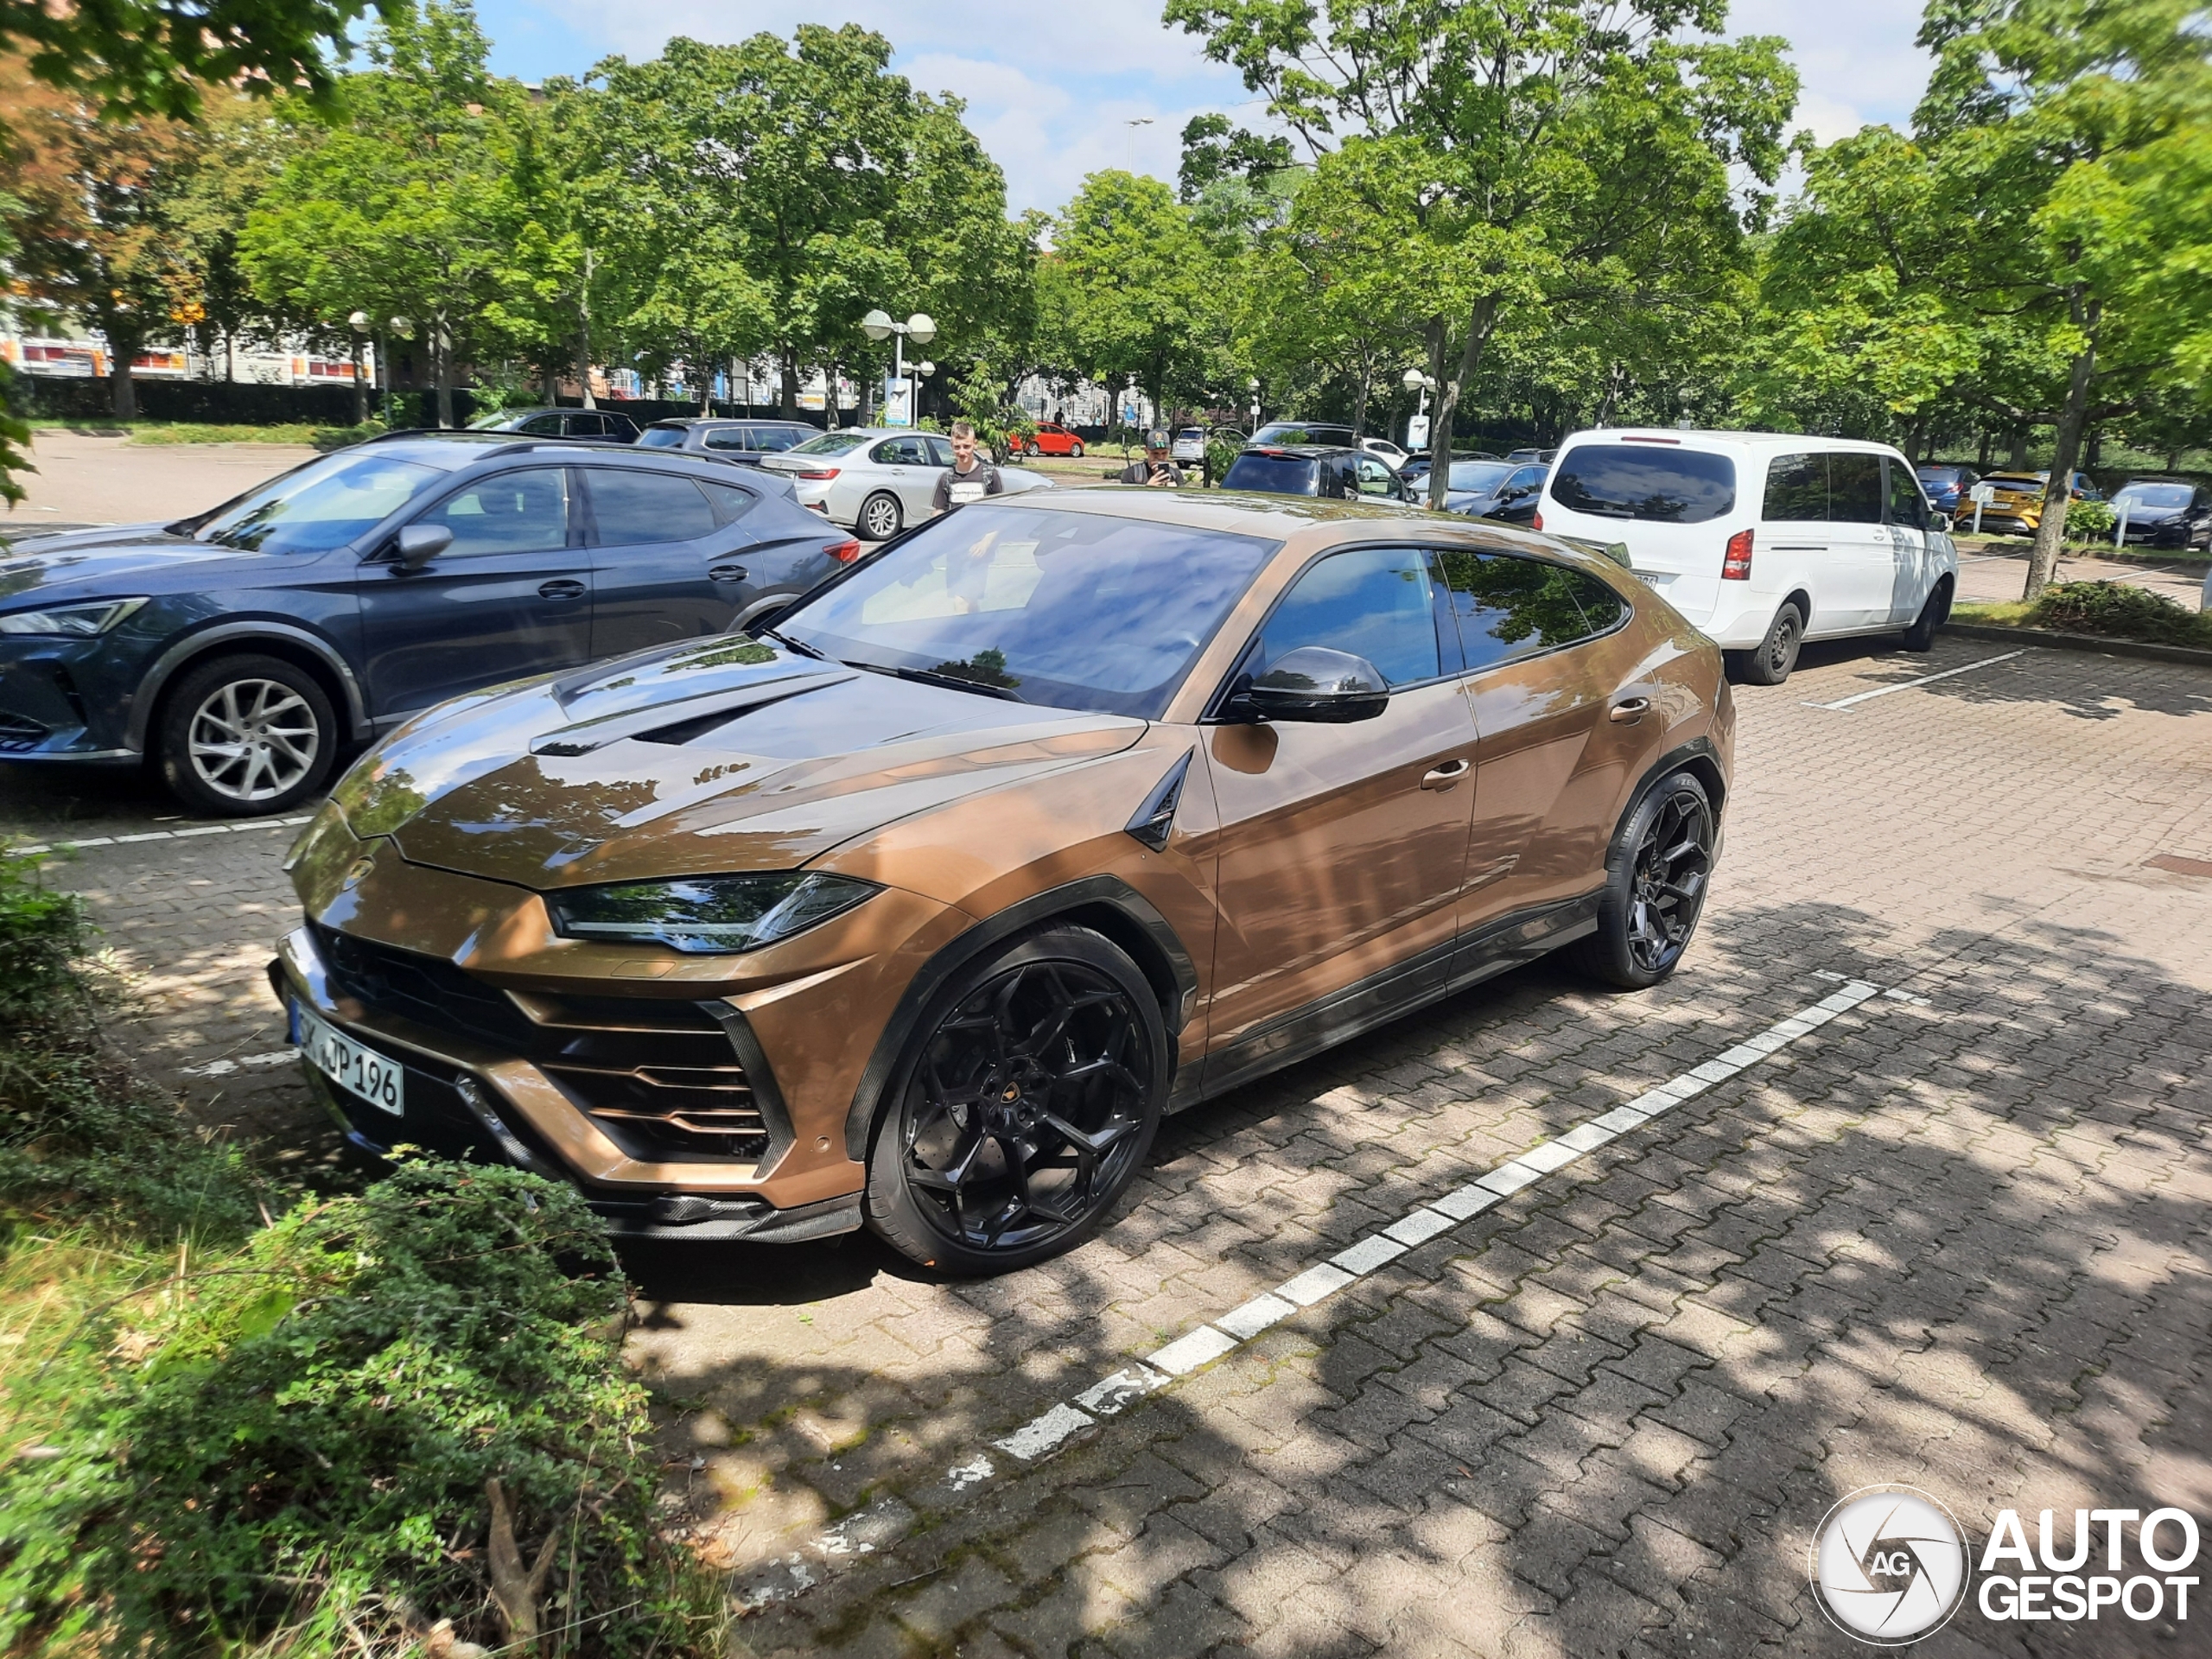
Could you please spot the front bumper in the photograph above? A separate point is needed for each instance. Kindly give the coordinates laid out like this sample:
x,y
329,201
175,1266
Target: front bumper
x,y
62,700
666,1115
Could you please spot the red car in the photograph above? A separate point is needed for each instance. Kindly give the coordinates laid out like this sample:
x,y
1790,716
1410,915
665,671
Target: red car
x,y
1050,440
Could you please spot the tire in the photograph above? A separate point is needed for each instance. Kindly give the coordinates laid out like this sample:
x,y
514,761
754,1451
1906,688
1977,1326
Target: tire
x,y
880,517
1656,875
1031,449
1921,636
1075,452
1048,1057
239,736
1769,661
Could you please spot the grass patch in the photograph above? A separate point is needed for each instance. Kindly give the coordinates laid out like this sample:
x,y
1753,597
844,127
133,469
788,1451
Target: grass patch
x,y
241,1420
169,432
2109,609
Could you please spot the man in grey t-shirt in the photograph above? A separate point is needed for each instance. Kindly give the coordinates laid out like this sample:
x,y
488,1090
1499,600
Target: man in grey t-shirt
x,y
968,479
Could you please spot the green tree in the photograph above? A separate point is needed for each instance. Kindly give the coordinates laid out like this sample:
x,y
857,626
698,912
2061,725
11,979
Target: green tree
x,y
1137,276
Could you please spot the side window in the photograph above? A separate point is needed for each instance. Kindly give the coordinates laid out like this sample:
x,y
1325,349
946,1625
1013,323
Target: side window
x,y
941,451
524,512
1374,602
1524,481
729,437
542,426
902,452
731,503
773,437
631,507
1796,490
1854,489
1376,478
1509,608
1906,507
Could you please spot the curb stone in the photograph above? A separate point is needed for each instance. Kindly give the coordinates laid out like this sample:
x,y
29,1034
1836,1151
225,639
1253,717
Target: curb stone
x,y
2081,642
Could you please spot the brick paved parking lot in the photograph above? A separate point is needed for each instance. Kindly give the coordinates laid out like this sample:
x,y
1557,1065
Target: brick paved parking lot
x,y
1955,1236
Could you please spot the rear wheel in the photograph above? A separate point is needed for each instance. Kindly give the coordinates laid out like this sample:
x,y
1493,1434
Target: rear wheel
x,y
1655,880
244,735
880,517
1031,448
1769,661
1921,636
1074,451
1022,1106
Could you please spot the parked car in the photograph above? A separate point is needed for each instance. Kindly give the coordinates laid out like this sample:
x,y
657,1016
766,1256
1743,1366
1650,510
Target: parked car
x,y
601,423
1189,448
2015,506
1415,468
1384,448
1763,540
1302,432
2165,512
1062,813
1946,487
1532,454
877,480
724,438
241,648
1495,489
1050,438
1321,469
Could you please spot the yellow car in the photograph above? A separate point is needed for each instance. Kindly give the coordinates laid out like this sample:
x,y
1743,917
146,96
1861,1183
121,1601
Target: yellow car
x,y
2017,506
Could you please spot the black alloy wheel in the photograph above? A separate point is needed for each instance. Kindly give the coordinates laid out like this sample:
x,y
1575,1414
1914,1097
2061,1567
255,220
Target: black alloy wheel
x,y
1656,882
1769,661
1026,1099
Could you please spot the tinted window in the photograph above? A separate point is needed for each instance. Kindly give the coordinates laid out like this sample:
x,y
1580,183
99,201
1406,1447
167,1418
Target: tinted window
x,y
633,507
1528,478
1654,482
1796,490
542,426
510,513
1373,601
1854,489
1276,474
666,437
321,505
728,437
2153,495
731,503
776,437
1483,475
1509,607
1906,507
1068,609
1301,432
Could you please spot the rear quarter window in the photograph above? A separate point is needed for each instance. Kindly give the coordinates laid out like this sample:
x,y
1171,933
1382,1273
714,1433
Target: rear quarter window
x,y
1276,474
1658,484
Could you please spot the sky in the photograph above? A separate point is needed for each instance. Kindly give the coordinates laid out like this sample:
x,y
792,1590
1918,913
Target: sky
x,y
1053,90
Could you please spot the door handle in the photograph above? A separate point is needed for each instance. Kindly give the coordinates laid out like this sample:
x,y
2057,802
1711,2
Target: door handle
x,y
726,572
1629,710
562,588
1445,775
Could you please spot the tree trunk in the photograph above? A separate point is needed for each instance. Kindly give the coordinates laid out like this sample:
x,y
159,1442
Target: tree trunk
x,y
706,385
584,335
360,388
2019,457
230,355
1359,408
124,395
2050,529
2096,447
442,365
788,392
1480,320
1981,455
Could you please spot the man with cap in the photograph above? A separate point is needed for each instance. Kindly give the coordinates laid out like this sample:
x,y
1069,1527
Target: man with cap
x,y
1156,470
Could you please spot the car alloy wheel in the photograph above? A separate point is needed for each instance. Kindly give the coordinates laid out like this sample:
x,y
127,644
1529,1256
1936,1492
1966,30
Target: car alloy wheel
x,y
245,734
879,517
1031,448
1028,1100
1656,883
1074,451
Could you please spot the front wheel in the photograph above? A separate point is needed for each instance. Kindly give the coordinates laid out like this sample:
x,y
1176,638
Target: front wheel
x,y
1075,452
1921,636
1022,1106
1769,661
880,517
244,735
1655,881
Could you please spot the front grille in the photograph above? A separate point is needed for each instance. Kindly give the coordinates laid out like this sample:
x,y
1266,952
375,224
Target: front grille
x,y
660,1077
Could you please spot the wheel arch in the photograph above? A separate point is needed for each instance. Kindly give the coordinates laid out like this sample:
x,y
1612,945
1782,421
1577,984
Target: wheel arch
x,y
1803,600
296,645
1699,759
1105,904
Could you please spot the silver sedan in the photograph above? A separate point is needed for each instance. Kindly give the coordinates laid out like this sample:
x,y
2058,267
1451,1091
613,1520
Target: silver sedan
x,y
877,480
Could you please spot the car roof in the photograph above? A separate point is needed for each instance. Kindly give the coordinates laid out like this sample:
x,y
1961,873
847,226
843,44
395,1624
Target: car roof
x,y
1761,443
1304,451
437,447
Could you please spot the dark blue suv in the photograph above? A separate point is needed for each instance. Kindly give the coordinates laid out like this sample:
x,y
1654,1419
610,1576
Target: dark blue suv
x,y
240,650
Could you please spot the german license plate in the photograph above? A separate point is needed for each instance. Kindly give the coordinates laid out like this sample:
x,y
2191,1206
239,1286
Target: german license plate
x,y
359,1071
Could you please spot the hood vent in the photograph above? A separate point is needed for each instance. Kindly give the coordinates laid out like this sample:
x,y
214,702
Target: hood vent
x,y
681,721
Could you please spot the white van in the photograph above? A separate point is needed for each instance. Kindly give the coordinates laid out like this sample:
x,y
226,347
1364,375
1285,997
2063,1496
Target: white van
x,y
1763,540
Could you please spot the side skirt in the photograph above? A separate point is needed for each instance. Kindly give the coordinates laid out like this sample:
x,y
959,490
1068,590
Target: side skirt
x,y
1390,995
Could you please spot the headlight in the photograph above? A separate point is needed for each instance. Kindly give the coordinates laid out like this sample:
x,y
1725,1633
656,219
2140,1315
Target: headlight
x,y
71,621
706,915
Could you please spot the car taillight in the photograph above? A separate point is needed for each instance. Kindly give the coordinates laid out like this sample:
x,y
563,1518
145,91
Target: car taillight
x,y
1736,565
1536,522
844,552
819,472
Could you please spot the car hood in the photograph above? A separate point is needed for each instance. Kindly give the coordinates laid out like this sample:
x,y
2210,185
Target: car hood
x,y
720,755
108,564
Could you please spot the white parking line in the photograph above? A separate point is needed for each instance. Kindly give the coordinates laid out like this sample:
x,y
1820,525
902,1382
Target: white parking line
x,y
1907,685
37,848
1046,1434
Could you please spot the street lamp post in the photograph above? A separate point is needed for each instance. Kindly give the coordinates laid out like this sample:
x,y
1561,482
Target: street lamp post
x,y
1417,428
1142,121
878,325
1253,386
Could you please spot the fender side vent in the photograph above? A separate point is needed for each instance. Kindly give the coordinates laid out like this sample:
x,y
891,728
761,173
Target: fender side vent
x,y
1156,819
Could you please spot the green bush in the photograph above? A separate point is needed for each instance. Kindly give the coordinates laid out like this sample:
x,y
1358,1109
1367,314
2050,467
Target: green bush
x,y
2120,609
1221,453
2088,520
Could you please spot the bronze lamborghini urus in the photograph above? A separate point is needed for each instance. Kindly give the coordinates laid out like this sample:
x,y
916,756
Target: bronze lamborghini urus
x,y
919,911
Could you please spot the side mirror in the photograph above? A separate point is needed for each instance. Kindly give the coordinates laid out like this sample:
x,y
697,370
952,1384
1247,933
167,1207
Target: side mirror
x,y
1942,521
1317,685
419,543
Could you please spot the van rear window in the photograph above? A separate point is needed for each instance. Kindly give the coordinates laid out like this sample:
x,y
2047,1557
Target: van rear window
x,y
1625,480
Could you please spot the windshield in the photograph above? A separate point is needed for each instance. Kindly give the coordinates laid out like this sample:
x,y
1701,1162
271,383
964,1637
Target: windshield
x,y
1074,610
1301,432
1478,474
2154,495
1276,474
830,443
1939,474
661,437
1663,484
325,503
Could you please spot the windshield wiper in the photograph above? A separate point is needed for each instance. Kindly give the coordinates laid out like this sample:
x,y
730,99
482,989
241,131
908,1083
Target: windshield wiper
x,y
800,646
931,677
